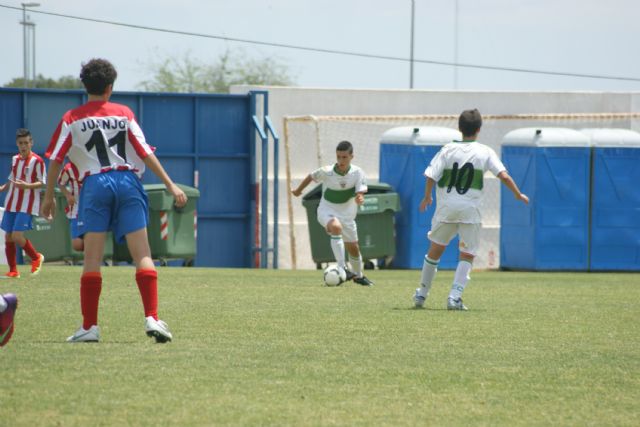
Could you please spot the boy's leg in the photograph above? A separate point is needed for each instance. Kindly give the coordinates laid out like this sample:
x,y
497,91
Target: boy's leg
x,y
10,253
37,259
460,280
468,247
147,280
90,288
334,228
440,235
7,225
428,273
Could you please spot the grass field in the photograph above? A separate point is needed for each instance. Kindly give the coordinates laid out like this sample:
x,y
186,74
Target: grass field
x,y
275,348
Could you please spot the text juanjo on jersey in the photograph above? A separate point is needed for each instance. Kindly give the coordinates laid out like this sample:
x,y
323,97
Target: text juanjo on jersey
x,y
106,123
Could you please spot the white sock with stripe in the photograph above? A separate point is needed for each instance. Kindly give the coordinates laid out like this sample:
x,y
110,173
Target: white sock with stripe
x,y
429,270
460,279
337,247
356,265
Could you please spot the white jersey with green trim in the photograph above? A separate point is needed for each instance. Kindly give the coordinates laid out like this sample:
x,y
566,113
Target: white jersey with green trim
x,y
339,190
458,170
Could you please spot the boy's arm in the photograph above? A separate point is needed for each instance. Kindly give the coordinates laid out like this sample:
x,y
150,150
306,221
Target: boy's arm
x,y
302,186
152,162
427,199
511,185
23,185
48,205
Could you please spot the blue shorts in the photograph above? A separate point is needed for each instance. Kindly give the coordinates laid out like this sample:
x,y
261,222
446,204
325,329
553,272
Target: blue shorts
x,y
112,201
75,234
16,221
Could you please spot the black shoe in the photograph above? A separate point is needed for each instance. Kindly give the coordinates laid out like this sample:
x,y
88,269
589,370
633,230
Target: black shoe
x,y
363,281
350,275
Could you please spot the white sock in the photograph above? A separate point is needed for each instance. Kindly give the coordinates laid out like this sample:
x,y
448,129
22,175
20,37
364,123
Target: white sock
x,y
3,304
356,265
429,270
460,279
337,247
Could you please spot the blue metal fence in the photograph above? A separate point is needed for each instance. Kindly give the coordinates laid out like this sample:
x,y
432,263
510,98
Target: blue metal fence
x,y
203,140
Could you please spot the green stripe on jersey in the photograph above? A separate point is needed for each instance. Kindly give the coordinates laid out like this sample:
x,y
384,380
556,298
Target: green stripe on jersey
x,y
477,181
339,196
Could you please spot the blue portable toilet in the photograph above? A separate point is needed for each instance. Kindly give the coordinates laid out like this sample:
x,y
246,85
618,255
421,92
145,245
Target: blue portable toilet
x,y
405,152
551,166
615,199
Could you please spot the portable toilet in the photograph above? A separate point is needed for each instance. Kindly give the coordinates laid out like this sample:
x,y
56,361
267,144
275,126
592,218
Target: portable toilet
x,y
615,199
405,153
551,166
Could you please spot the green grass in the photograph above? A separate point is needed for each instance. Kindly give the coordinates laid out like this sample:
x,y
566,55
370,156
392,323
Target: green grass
x,y
258,347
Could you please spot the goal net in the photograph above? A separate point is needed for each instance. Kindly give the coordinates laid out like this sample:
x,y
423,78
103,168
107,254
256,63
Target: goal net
x,y
310,141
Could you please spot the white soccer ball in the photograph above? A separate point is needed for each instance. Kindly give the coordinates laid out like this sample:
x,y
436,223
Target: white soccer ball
x,y
334,276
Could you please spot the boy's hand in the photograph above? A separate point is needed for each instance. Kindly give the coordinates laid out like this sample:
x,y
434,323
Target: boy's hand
x,y
20,184
523,197
178,195
48,209
426,201
359,199
296,192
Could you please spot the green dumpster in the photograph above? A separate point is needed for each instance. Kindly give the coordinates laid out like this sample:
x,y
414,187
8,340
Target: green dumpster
x,y
171,230
375,221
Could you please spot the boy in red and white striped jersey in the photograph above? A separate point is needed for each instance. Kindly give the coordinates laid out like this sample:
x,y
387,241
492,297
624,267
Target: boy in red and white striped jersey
x,y
69,184
22,201
107,147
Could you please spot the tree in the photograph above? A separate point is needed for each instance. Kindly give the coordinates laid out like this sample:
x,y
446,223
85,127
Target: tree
x,y
42,82
189,75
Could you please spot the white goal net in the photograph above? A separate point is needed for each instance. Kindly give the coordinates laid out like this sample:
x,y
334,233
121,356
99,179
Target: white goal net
x,y
310,141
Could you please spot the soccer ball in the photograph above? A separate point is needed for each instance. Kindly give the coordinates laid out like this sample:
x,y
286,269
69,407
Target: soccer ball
x,y
334,276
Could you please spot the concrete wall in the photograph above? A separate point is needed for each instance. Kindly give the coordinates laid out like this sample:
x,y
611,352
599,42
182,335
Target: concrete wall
x,y
285,101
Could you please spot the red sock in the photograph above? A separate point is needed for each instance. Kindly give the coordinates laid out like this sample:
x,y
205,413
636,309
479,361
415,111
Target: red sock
x,y
30,250
10,252
90,287
147,281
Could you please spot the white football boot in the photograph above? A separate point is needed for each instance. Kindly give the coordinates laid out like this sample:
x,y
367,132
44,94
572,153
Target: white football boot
x,y
157,329
86,335
418,299
455,304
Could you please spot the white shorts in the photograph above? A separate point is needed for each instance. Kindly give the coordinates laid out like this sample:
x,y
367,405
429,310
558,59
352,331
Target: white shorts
x,y
442,232
349,227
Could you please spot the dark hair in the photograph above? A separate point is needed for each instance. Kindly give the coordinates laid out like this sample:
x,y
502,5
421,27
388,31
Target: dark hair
x,y
470,122
345,146
22,132
96,75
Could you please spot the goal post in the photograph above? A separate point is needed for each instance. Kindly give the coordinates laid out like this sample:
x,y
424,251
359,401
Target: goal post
x,y
310,142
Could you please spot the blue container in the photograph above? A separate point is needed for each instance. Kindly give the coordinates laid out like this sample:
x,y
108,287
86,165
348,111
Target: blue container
x,y
551,166
615,199
405,153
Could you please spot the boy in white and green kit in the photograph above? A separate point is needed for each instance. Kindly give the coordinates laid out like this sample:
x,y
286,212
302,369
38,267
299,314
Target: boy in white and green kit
x,y
458,169
343,188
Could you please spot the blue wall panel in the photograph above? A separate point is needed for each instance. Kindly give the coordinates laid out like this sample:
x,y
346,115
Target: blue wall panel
x,y
167,122
209,133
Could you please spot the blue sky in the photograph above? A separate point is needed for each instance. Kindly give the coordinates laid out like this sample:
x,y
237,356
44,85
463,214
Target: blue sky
x,y
568,36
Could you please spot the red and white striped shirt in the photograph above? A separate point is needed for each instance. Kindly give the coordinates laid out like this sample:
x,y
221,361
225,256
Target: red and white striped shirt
x,y
98,137
29,170
69,178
